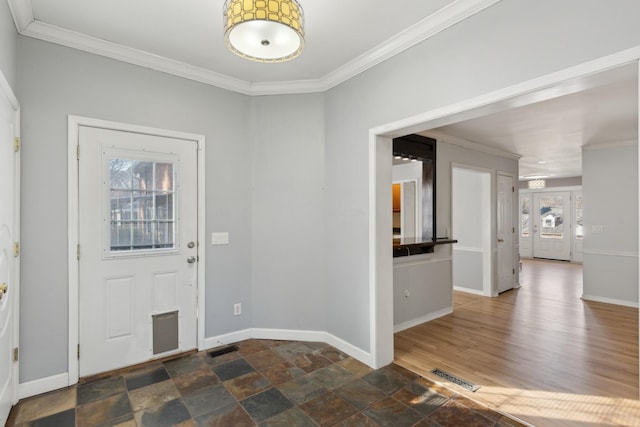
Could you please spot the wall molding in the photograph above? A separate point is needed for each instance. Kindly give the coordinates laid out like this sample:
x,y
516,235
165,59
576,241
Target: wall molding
x,y
469,291
609,145
422,319
290,335
43,385
455,12
412,263
621,254
623,303
467,249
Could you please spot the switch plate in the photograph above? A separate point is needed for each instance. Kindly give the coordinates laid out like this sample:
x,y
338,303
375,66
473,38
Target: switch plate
x,y
218,238
237,309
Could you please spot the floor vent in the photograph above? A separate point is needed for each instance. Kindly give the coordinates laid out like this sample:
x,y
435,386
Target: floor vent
x,y
223,350
456,380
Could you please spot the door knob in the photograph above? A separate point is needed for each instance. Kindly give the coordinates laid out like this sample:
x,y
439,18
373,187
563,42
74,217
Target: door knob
x,y
191,259
191,245
500,240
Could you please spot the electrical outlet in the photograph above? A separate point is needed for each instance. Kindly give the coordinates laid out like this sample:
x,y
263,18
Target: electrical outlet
x,y
237,309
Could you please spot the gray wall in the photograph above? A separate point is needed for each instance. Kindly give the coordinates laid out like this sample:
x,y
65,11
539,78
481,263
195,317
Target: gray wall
x,y
610,259
8,45
510,42
56,81
288,221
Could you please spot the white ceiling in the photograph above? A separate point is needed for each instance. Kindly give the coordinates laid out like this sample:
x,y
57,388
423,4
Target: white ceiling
x,y
342,39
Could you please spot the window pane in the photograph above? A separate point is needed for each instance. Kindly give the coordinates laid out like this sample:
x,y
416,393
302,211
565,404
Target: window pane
x,y
142,212
524,217
579,229
551,217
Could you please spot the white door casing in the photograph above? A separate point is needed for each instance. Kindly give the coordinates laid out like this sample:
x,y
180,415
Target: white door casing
x,y
552,231
505,233
121,287
9,230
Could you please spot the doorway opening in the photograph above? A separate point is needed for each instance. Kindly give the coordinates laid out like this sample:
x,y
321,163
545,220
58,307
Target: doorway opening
x,y
471,225
381,282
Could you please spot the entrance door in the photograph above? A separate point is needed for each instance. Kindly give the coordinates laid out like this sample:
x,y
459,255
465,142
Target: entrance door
x,y
552,225
137,252
8,282
505,234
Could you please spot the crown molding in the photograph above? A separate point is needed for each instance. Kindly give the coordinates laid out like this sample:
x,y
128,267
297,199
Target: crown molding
x,y
459,10
609,145
22,13
449,15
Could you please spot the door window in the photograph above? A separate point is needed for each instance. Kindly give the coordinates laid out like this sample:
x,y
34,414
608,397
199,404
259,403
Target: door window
x,y
141,205
524,217
551,217
579,229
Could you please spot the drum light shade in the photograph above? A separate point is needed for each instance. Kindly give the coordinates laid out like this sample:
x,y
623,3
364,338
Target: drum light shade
x,y
264,30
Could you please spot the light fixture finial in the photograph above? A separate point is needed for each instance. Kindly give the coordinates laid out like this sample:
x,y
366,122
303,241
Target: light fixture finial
x,y
264,30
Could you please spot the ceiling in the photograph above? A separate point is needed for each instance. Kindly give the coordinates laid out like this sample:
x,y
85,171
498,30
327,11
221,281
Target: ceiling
x,y
185,38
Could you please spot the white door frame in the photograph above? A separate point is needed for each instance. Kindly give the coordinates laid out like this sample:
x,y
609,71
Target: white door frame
x,y
8,94
73,221
515,196
379,147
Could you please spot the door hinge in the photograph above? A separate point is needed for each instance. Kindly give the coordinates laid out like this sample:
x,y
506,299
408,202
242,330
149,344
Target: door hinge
x,y
78,351
513,271
513,230
78,252
15,354
16,144
513,189
16,249
78,152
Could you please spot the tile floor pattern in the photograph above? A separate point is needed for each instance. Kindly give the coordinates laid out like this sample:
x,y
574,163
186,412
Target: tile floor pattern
x,y
264,383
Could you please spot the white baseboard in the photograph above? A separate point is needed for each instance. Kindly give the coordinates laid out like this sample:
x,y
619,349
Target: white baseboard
x,y
422,319
55,382
610,301
291,335
230,338
288,335
43,385
469,291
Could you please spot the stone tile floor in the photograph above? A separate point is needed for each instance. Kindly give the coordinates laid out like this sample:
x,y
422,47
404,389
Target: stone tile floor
x,y
264,383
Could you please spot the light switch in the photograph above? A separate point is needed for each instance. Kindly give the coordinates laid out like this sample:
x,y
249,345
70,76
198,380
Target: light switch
x,y
220,238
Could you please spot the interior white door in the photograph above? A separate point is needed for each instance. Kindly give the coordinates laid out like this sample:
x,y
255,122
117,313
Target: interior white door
x,y
505,233
8,284
138,248
552,225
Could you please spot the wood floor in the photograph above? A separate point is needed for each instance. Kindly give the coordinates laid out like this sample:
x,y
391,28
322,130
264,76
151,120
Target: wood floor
x,y
539,352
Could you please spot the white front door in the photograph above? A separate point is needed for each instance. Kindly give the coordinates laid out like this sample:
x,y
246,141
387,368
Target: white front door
x,y
8,270
552,225
505,234
526,241
138,248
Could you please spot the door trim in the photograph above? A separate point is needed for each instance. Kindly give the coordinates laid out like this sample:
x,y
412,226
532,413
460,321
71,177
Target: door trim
x,y
9,95
74,122
515,245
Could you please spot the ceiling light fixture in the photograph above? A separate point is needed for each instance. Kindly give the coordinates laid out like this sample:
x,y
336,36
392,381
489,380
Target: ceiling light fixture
x,y
264,30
